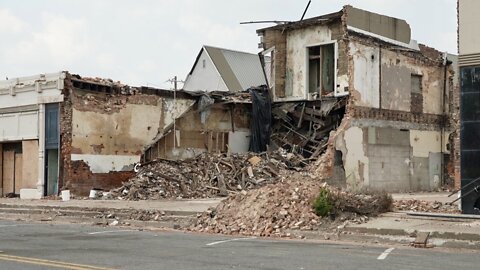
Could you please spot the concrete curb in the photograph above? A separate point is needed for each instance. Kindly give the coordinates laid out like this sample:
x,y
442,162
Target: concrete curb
x,y
400,232
33,209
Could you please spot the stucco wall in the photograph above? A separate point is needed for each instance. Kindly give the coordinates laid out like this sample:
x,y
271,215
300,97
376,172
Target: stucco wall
x,y
297,42
366,74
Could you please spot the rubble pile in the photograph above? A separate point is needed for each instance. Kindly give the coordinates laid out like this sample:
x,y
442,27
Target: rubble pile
x,y
425,206
276,209
304,128
207,175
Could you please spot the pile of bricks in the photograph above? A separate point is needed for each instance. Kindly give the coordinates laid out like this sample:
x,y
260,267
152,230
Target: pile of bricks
x,y
208,175
425,206
285,207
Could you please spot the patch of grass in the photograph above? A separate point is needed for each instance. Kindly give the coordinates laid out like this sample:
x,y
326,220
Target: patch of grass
x,y
323,203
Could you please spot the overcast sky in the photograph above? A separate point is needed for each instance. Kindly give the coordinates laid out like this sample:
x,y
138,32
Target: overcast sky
x,y
143,42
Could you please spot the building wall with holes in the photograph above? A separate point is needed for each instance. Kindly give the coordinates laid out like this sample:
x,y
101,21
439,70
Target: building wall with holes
x,y
104,133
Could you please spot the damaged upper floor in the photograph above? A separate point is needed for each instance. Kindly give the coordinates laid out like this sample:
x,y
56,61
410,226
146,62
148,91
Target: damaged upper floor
x,y
355,52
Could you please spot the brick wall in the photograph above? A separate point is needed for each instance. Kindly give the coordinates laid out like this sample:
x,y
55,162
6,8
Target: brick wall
x,y
278,39
82,180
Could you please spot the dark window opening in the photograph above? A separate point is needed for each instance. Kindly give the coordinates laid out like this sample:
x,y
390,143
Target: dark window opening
x,y
321,69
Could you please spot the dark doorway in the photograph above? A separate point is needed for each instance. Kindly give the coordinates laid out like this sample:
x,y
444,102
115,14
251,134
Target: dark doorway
x,y
52,142
469,134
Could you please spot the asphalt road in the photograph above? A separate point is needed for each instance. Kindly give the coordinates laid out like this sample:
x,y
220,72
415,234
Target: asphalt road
x,y
81,247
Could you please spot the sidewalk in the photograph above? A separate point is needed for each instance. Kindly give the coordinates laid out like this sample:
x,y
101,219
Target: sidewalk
x,y
426,196
449,231
173,206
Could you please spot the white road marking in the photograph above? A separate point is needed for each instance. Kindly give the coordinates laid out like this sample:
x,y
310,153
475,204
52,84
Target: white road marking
x,y
92,233
12,225
229,240
385,254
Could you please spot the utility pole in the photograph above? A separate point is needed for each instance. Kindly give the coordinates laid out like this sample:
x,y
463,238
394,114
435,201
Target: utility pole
x,y
175,82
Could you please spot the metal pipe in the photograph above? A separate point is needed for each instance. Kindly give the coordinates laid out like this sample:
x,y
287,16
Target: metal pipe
x,y
467,185
305,11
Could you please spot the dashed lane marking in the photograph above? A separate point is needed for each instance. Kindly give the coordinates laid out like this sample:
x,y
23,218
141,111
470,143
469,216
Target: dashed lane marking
x,y
116,231
384,255
229,240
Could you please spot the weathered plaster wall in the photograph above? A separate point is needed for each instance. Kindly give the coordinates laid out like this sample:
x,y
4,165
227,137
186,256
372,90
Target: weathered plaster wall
x,y
388,85
396,82
355,161
297,43
111,139
366,74
291,58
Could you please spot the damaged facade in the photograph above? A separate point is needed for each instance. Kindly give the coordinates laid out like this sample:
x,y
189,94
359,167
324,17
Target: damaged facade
x,y
61,131
220,121
393,131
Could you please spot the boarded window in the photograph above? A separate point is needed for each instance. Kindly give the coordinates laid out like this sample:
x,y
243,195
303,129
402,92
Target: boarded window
x,y
416,83
321,69
416,94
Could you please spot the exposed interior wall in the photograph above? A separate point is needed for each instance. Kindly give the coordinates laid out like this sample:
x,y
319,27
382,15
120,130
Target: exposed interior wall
x,y
290,66
225,128
297,62
103,135
30,164
396,82
366,74
389,85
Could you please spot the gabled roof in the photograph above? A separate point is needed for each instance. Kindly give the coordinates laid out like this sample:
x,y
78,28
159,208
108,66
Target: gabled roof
x,y
239,70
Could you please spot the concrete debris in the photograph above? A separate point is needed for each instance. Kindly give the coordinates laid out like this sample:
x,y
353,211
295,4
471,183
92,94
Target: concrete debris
x,y
425,206
208,175
421,240
276,209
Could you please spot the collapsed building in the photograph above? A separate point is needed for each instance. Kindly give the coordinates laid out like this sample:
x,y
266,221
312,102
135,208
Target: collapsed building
x,y
348,95
398,97
61,131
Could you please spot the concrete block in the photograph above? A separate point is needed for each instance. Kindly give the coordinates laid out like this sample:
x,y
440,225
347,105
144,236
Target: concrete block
x,y
30,194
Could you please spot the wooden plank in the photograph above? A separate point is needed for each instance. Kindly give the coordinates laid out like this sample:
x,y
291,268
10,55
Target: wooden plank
x,y
8,171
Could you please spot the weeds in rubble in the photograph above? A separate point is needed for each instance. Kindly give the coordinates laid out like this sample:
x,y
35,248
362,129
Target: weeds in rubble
x,y
323,204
